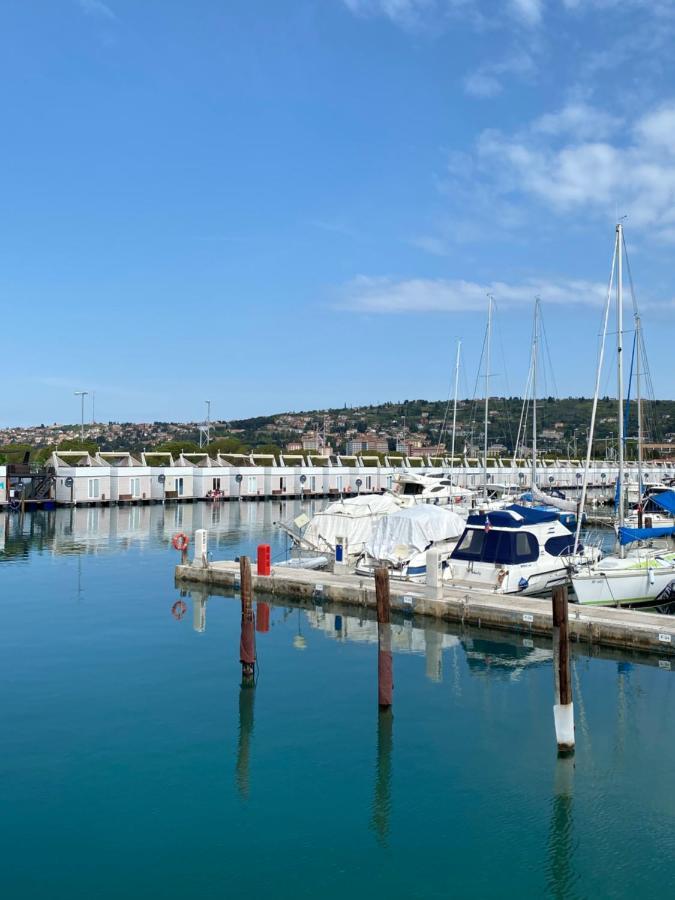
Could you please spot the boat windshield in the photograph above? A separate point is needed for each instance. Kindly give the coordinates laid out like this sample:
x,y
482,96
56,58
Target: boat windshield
x,y
411,487
494,546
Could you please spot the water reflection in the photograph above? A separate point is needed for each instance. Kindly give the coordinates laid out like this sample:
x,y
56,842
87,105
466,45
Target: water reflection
x,y
246,723
104,529
560,873
382,797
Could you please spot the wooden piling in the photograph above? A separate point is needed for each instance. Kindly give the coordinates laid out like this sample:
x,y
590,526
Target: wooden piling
x,y
247,639
385,684
563,708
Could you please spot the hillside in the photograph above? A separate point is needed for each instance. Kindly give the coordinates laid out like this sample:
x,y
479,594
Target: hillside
x,y
410,426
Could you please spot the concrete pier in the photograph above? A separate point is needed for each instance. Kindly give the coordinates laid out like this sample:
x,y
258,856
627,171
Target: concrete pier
x,y
620,628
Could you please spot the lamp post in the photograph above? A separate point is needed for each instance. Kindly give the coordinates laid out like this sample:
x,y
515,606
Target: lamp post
x,y
82,395
208,422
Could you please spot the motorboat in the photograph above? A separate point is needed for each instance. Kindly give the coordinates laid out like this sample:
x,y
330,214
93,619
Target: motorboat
x,y
517,550
436,487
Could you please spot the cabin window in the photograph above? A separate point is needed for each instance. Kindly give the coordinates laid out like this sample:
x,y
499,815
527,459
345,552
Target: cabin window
x,y
412,488
93,491
179,487
216,484
135,487
252,484
561,545
498,547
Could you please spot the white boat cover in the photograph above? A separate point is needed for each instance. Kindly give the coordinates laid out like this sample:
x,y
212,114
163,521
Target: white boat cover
x,y
411,530
352,519
550,500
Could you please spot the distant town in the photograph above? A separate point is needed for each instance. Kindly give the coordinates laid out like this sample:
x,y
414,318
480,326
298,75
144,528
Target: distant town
x,y
411,428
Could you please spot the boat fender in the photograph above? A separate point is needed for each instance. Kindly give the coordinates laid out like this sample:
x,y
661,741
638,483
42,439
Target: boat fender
x,y
651,574
180,541
522,584
179,609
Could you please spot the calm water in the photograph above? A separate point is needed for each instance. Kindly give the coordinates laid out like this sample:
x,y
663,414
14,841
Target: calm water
x,y
134,766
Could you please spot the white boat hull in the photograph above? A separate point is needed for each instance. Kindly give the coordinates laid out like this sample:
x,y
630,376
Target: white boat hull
x,y
639,584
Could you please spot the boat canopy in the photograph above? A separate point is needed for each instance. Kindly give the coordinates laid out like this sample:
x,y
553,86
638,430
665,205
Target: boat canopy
x,y
555,498
666,500
630,535
352,520
411,530
513,516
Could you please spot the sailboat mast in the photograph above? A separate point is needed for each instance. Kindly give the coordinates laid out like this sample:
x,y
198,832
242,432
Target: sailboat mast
x,y
454,410
594,408
638,363
487,394
535,350
619,349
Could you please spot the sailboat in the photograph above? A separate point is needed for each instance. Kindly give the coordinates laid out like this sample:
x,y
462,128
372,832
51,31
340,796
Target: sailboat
x,y
568,508
644,575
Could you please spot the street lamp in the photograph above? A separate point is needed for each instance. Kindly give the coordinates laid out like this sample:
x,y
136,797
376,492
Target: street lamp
x,y
82,395
208,422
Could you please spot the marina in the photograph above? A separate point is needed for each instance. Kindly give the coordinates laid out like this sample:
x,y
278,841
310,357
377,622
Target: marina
x,y
527,616
136,759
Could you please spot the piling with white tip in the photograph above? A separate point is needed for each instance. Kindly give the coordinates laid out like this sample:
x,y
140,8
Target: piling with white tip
x,y
563,707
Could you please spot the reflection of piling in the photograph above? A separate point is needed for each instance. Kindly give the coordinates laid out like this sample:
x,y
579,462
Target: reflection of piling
x,y
433,650
262,617
560,874
384,661
382,799
247,640
563,709
246,701
198,612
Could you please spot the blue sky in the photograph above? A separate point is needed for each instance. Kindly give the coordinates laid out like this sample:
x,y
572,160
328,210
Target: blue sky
x,y
291,204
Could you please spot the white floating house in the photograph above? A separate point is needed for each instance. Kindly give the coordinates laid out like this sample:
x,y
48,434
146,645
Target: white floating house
x,y
210,477
169,479
81,478
129,478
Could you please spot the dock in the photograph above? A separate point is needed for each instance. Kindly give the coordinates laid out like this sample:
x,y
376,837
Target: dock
x,y
618,628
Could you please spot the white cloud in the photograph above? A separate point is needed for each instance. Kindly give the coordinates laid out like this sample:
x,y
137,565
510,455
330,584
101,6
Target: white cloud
x,y
388,295
558,161
528,11
486,80
401,12
580,119
97,8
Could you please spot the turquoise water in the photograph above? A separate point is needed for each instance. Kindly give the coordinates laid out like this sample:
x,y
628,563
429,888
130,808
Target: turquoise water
x,y
133,764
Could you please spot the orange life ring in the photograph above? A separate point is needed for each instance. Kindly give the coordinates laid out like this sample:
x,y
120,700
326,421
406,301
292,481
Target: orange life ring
x,y
180,541
179,609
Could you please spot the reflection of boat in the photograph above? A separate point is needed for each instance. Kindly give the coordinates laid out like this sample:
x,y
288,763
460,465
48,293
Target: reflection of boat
x,y
483,655
400,541
517,550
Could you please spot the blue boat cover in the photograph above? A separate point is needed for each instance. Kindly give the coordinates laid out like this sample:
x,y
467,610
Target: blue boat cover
x,y
514,516
628,535
666,501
